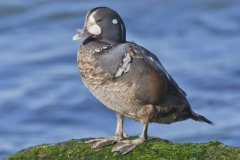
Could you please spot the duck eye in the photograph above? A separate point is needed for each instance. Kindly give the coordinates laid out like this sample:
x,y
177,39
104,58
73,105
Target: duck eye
x,y
99,20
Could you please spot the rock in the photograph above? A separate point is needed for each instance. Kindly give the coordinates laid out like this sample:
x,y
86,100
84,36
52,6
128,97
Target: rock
x,y
153,148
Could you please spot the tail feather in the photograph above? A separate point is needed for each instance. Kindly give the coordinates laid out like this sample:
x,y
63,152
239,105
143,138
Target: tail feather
x,y
201,118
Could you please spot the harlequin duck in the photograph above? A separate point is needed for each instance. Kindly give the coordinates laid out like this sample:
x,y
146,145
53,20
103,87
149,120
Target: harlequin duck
x,y
128,79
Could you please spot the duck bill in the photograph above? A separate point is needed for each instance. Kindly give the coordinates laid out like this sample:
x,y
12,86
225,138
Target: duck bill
x,y
82,34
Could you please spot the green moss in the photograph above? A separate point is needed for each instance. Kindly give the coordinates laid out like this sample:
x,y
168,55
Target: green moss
x,y
152,149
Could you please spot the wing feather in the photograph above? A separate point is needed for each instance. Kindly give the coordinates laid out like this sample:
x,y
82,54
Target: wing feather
x,y
137,51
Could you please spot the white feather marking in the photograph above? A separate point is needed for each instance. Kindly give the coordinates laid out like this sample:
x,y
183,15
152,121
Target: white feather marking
x,y
127,58
91,19
125,66
92,26
114,21
98,50
127,69
119,73
151,59
94,29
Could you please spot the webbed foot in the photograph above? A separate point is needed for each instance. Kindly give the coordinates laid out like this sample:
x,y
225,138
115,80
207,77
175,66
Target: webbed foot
x,y
102,142
126,146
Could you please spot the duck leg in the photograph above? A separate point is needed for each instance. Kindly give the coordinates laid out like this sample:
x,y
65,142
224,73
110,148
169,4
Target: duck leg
x,y
125,146
119,135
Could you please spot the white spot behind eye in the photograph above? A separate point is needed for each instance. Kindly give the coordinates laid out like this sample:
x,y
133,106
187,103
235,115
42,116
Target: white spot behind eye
x,y
114,21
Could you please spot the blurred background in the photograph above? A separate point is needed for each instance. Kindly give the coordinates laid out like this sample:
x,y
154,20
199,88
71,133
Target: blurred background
x,y
43,100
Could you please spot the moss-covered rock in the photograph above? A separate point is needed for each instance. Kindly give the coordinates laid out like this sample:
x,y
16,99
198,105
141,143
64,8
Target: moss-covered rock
x,y
152,149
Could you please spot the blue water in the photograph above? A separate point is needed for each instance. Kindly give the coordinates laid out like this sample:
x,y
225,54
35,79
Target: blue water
x,y
43,100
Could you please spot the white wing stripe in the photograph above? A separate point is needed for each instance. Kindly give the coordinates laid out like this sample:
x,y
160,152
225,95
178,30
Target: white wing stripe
x,y
124,68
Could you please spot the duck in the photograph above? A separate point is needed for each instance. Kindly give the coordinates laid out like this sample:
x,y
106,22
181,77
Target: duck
x,y
128,79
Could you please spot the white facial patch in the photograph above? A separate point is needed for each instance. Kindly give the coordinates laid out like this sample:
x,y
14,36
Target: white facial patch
x,y
94,29
91,19
92,26
114,21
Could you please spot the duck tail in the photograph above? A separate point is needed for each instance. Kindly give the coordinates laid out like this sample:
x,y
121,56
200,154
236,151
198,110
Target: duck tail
x,y
200,118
